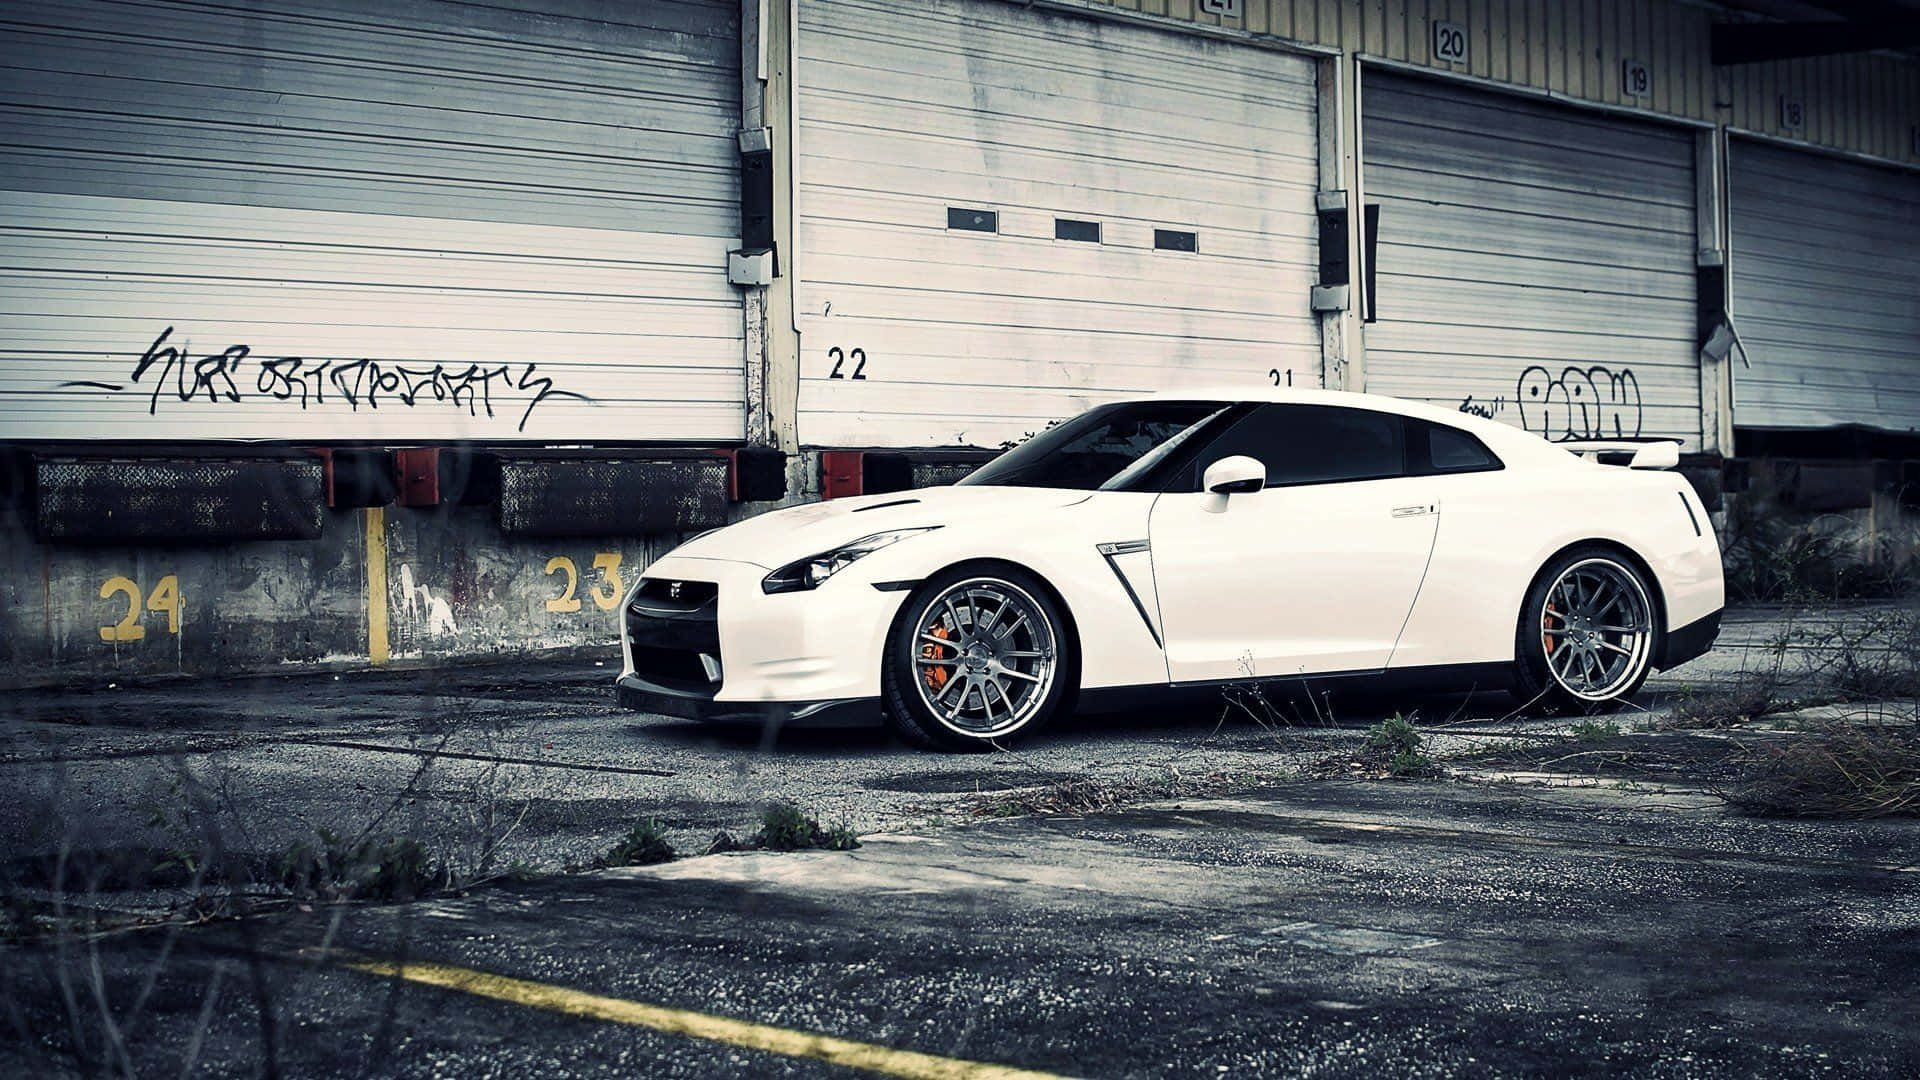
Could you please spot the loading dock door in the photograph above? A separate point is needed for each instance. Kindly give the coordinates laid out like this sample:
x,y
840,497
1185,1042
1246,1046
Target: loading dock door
x,y
1826,290
370,219
1535,262
1007,214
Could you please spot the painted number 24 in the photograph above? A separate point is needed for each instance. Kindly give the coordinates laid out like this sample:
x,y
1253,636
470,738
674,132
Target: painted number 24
x,y
840,357
605,595
164,597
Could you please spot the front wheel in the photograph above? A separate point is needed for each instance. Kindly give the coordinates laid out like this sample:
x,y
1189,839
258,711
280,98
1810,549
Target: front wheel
x,y
979,657
1587,633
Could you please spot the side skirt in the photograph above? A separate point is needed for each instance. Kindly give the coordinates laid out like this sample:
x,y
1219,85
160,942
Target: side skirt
x,y
1436,678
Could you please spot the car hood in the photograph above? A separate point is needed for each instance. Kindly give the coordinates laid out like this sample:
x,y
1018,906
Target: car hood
x,y
779,537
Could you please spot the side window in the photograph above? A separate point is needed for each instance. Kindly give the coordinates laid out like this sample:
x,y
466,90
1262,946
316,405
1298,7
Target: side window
x,y
1436,448
1313,444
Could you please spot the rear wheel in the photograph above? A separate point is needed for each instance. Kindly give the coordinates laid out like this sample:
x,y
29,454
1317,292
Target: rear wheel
x,y
1587,633
978,658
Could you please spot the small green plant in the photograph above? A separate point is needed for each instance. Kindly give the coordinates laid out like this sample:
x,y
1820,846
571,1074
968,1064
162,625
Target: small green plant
x,y
785,827
1753,696
644,845
368,868
1397,743
1590,730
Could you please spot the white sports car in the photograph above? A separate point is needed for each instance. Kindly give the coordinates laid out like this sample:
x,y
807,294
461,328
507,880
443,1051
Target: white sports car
x,y
1183,543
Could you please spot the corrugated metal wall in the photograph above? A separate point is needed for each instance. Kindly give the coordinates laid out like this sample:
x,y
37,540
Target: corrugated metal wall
x,y
402,219
1863,102
915,332
1826,290
1536,262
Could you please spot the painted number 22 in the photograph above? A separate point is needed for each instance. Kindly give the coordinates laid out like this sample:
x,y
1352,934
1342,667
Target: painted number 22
x,y
840,357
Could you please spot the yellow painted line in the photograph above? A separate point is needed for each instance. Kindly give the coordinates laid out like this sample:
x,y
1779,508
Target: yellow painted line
x,y
798,1044
377,584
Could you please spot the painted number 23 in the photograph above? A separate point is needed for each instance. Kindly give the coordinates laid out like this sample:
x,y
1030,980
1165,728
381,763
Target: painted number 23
x,y
605,595
840,357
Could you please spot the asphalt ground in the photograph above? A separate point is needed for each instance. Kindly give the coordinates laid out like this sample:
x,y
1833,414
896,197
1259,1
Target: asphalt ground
x,y
1293,924
1326,928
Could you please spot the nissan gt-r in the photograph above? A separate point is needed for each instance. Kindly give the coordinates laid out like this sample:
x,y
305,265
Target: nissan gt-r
x,y
1186,543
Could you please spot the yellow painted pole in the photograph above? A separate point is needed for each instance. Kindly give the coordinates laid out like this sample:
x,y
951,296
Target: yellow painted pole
x,y
377,584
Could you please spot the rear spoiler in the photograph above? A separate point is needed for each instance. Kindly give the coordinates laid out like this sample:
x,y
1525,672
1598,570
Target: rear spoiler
x,y
1658,454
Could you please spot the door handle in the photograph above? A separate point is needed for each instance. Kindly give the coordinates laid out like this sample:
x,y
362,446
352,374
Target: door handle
x,y
1411,511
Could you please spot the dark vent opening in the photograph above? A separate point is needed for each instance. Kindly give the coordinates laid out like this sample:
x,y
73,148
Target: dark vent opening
x,y
1069,229
686,594
1175,240
678,669
959,217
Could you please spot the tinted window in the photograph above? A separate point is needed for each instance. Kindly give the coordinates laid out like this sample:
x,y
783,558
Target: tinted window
x,y
1437,448
1090,449
1313,444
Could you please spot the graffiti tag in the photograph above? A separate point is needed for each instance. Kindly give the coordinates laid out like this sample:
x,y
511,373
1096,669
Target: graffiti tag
x,y
217,377
1579,403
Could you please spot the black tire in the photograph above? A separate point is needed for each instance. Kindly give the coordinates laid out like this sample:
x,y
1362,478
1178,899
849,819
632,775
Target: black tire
x,y
1538,684
907,681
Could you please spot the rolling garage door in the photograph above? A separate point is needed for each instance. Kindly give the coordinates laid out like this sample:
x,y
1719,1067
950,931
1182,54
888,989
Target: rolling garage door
x,y
1007,214
1535,263
400,219
1826,290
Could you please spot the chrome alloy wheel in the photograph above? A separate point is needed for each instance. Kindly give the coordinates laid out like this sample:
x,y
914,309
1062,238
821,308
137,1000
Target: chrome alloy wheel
x,y
984,657
1596,625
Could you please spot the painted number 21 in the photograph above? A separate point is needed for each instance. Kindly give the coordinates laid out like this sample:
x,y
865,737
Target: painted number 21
x,y
840,357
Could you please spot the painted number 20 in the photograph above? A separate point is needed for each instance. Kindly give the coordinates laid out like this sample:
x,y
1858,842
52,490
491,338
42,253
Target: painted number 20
x,y
840,357
164,597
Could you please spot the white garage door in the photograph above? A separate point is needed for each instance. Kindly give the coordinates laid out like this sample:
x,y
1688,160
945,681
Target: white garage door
x,y
396,219
1008,214
1535,263
1826,290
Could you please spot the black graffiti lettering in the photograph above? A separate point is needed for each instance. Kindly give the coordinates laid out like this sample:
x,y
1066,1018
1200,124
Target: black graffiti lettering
x,y
358,382
1485,409
1580,403
280,379
546,391
219,367
158,352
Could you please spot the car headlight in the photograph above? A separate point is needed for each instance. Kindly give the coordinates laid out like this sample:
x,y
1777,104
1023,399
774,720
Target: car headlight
x,y
808,573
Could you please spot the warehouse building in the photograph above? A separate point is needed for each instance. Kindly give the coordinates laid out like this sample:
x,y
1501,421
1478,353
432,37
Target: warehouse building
x,y
354,332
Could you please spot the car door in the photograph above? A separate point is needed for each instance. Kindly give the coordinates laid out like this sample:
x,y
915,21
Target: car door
x,y
1314,573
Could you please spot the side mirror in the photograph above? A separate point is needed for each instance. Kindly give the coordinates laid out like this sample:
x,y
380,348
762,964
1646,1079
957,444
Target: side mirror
x,y
1235,475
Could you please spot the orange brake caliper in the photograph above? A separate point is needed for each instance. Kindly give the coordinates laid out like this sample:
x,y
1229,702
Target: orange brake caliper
x,y
936,676
1546,636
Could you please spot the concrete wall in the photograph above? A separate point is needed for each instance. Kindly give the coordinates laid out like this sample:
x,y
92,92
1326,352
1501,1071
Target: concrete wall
x,y
382,585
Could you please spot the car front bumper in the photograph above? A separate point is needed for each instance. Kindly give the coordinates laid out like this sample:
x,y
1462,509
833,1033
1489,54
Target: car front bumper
x,y
639,694
718,647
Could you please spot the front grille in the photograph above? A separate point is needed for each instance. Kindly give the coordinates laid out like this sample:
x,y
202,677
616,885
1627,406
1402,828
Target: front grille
x,y
669,594
677,669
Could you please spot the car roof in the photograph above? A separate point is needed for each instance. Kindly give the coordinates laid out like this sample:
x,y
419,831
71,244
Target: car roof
x,y
1513,445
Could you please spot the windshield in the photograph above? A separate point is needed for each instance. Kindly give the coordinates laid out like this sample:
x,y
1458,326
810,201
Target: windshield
x,y
1100,449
